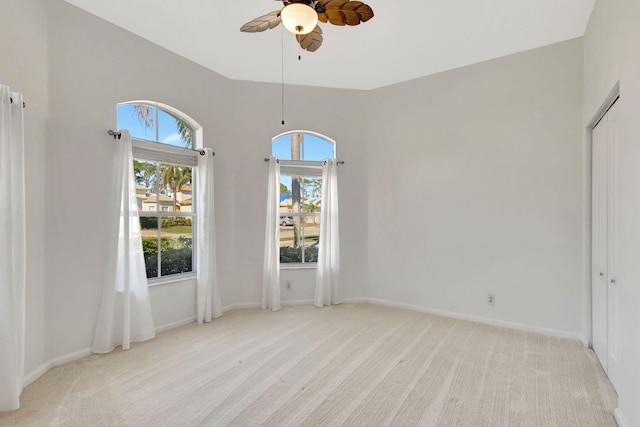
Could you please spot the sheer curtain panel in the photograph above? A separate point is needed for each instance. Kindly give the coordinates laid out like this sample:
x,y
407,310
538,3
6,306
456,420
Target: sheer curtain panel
x,y
12,249
271,274
327,276
125,310
207,295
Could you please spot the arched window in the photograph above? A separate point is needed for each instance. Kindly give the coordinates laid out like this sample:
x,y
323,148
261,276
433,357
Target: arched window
x,y
301,154
152,121
303,146
162,140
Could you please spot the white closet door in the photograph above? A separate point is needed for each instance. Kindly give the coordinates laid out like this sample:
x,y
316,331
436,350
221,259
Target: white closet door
x,y
599,241
612,287
603,284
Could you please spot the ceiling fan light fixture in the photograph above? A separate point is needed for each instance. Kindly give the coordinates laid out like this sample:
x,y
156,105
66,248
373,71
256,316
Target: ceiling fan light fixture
x,y
299,18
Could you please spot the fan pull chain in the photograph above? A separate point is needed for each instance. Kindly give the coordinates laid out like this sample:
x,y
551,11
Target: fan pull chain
x,y
299,53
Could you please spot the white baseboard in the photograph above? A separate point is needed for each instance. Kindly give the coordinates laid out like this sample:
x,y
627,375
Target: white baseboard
x,y
471,318
32,376
240,306
177,324
258,305
298,302
289,303
479,319
45,367
358,300
617,414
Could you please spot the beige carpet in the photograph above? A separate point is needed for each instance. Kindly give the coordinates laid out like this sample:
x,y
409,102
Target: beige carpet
x,y
355,365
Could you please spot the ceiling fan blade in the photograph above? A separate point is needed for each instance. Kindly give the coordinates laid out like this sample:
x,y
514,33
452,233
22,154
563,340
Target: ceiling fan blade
x,y
312,41
263,23
344,12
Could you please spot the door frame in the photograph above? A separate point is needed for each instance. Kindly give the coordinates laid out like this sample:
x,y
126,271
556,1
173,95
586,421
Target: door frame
x,y
587,332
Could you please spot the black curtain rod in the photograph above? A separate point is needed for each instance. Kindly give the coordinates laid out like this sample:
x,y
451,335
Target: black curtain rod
x,y
23,103
118,135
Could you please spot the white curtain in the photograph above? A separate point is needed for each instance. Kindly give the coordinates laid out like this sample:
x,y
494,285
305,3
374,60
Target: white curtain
x,y
125,311
271,274
12,249
327,276
207,295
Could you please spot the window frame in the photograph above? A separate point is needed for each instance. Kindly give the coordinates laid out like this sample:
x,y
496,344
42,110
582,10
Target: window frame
x,y
300,172
303,169
146,150
159,214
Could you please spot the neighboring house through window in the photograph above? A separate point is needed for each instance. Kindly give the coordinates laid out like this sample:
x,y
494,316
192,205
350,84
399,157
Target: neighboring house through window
x,y
301,154
164,163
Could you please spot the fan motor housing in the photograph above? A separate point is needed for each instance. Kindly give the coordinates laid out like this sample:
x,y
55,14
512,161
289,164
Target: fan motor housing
x,y
311,3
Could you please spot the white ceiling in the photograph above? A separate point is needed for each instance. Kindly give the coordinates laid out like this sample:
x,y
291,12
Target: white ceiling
x,y
405,39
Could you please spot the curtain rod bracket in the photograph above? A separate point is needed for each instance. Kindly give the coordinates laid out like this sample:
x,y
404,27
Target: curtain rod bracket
x,y
24,104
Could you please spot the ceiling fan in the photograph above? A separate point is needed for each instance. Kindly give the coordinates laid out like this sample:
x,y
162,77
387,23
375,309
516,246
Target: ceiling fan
x,y
301,18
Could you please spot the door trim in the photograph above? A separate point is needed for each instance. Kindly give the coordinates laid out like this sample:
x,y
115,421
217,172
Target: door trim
x,y
587,332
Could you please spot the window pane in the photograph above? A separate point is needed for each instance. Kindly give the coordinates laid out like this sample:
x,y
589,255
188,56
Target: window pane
x,y
308,189
311,238
176,194
149,228
146,185
281,147
285,193
300,227
311,190
176,245
302,147
140,120
173,131
299,238
315,149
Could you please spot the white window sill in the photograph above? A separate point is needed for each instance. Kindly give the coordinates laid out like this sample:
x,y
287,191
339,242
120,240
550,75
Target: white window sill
x,y
171,279
305,266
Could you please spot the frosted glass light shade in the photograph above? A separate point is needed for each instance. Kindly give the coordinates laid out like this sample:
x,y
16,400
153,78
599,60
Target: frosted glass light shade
x,y
299,18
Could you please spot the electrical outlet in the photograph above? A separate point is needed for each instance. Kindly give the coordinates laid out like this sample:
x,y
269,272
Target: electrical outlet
x,y
491,299
288,285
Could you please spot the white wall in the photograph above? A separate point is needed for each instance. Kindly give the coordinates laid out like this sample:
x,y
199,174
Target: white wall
x,y
23,67
612,43
475,187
